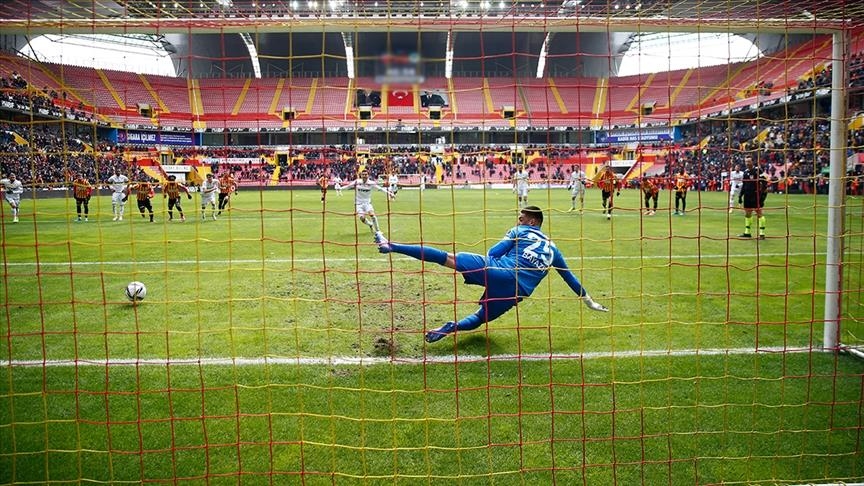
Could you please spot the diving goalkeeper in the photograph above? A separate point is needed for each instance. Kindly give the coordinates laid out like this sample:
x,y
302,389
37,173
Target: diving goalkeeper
x,y
511,270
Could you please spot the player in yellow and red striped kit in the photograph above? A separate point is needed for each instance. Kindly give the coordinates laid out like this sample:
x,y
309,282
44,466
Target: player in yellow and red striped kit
x,y
172,190
608,183
81,191
143,194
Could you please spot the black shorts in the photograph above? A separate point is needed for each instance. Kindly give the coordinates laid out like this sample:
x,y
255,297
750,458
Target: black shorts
x,y
144,204
753,201
174,203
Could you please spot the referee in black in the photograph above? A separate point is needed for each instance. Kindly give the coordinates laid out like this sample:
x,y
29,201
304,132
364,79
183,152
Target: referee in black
x,y
754,189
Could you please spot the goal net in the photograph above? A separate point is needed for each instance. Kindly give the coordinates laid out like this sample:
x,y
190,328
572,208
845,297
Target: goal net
x,y
303,255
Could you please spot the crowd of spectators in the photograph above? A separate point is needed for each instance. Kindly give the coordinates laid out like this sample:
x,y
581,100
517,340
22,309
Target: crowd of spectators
x,y
16,94
47,156
823,77
793,151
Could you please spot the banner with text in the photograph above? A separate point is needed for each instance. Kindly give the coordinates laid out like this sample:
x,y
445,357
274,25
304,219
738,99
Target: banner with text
x,y
138,137
665,134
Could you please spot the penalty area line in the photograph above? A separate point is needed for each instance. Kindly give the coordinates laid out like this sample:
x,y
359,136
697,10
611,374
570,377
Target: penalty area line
x,y
380,360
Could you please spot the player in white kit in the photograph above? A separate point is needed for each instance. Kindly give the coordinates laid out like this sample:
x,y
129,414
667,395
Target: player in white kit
x,y
393,183
520,186
337,185
12,190
118,183
209,190
363,186
736,180
576,186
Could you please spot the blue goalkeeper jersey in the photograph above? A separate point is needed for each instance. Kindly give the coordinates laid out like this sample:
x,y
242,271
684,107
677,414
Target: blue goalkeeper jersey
x,y
530,254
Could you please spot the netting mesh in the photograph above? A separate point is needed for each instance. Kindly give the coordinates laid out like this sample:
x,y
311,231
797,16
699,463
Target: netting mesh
x,y
277,343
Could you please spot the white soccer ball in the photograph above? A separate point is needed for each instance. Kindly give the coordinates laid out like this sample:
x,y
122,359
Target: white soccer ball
x,y
136,291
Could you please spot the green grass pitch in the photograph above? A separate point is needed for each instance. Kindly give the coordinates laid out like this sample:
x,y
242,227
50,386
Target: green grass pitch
x,y
277,346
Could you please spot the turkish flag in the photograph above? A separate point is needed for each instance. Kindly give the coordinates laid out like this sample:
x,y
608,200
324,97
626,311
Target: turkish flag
x,y
400,97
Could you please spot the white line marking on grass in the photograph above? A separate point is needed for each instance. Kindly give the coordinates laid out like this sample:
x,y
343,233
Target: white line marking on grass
x,y
372,360
396,257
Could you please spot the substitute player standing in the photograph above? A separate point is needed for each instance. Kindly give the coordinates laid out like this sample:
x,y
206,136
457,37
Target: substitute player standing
x,y
12,190
118,183
209,189
576,186
172,190
363,186
509,272
520,186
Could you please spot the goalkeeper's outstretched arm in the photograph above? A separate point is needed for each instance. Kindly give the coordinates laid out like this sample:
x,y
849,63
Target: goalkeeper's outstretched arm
x,y
561,267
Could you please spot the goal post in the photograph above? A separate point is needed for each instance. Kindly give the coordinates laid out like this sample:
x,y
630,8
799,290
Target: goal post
x,y
836,192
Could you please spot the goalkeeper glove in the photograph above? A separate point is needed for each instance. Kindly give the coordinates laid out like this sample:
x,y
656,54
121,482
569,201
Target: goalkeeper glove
x,y
189,196
125,198
594,305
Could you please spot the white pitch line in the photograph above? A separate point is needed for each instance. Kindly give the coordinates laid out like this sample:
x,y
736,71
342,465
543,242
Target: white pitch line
x,y
372,360
398,257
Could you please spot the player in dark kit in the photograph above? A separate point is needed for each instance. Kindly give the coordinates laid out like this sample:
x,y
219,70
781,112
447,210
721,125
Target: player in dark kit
x,y
754,190
510,271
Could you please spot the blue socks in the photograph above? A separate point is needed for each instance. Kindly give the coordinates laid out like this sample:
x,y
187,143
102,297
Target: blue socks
x,y
470,322
420,252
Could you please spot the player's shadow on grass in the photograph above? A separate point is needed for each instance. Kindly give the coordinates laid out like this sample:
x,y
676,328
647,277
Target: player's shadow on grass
x,y
478,343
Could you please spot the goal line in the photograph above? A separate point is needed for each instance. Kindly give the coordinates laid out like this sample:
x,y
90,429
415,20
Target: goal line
x,y
379,360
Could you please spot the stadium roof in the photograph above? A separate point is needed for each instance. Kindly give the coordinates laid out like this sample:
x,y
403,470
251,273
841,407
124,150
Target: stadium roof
x,y
46,16
489,38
